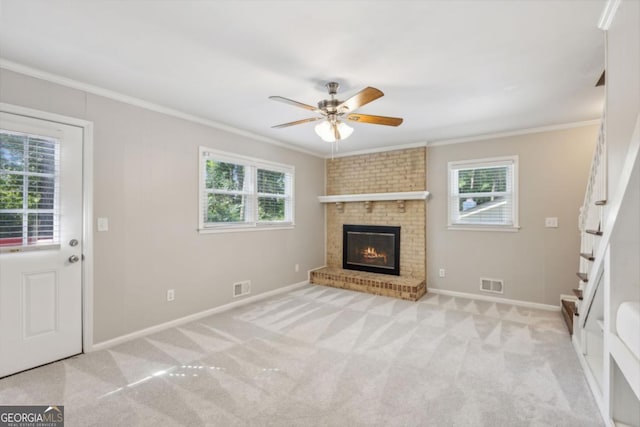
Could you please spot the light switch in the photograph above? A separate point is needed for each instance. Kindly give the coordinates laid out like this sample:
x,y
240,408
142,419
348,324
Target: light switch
x,y
551,222
103,224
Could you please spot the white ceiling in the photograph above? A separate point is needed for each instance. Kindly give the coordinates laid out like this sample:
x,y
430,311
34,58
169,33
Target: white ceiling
x,y
451,69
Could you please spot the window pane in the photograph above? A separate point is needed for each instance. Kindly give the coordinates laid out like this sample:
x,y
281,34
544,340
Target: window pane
x,y
482,180
10,229
271,182
41,192
11,191
475,203
226,208
224,176
11,152
40,228
271,209
42,156
485,210
27,164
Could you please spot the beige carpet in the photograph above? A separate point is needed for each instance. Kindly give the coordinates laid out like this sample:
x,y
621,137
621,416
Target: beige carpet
x,y
324,356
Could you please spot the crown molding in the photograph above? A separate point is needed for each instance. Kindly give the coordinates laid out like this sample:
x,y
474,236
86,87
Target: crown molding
x,y
608,13
138,102
515,133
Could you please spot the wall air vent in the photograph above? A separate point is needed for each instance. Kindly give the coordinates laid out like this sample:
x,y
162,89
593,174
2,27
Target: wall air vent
x,y
495,286
241,288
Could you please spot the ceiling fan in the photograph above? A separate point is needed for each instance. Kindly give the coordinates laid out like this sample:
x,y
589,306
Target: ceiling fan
x,y
333,111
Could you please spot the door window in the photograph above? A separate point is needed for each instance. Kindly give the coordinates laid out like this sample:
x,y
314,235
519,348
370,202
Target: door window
x,y
29,175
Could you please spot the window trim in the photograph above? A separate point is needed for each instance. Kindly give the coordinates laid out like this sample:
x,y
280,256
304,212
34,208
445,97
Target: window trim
x,y
483,163
254,164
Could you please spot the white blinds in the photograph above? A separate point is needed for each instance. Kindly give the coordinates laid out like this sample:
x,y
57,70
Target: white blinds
x,y
29,168
482,193
274,194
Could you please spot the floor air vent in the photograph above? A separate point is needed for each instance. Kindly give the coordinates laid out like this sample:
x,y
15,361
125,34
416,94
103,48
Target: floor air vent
x,y
241,288
492,285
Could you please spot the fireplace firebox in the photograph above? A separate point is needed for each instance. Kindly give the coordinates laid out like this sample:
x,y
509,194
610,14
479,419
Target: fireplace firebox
x,y
371,248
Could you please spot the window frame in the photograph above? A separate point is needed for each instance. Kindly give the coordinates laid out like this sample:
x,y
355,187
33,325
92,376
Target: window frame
x,y
251,165
455,166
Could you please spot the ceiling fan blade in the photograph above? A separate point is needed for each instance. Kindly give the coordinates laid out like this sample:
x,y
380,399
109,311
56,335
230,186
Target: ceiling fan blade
x,y
375,120
294,103
361,98
297,122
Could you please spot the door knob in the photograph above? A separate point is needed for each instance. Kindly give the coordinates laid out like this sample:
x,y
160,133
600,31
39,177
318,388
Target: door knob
x,y
74,258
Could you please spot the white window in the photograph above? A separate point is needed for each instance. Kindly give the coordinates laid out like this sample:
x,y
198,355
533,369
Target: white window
x,y
238,192
29,168
483,194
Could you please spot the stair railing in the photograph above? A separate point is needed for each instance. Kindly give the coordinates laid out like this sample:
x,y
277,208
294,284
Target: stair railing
x,y
591,210
613,205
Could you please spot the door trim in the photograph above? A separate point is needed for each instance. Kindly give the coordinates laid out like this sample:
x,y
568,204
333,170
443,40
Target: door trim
x,y
87,208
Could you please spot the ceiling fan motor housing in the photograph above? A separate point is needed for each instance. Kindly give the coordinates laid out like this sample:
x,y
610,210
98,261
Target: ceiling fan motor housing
x,y
330,106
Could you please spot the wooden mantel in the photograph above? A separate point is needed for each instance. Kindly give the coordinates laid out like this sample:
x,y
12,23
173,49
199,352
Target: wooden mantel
x,y
399,197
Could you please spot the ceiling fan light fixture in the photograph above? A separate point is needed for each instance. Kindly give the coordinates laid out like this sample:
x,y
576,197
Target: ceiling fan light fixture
x,y
345,130
324,129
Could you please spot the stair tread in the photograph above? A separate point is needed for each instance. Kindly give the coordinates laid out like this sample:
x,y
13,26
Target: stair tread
x,y
594,232
583,276
578,293
601,202
587,256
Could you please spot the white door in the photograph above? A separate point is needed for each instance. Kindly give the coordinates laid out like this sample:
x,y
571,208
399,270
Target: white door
x,y
40,242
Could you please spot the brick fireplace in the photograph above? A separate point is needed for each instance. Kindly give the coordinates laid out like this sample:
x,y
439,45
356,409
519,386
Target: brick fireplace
x,y
400,171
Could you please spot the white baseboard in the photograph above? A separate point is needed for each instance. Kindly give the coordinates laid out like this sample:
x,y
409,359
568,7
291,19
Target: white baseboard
x,y
192,317
527,304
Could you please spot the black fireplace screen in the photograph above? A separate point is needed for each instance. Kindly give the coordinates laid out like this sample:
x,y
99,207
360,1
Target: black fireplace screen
x,y
371,248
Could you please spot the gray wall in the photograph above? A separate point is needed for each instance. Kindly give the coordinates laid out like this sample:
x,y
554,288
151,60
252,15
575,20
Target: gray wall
x,y
536,263
146,183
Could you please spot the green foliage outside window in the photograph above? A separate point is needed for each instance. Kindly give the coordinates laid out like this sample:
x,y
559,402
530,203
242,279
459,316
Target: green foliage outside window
x,y
225,207
225,176
21,155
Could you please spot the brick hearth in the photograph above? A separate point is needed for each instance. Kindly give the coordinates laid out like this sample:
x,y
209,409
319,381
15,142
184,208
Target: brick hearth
x,y
406,288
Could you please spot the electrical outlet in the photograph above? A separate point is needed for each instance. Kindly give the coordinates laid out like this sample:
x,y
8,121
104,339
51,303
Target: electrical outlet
x,y
296,268
171,294
441,272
